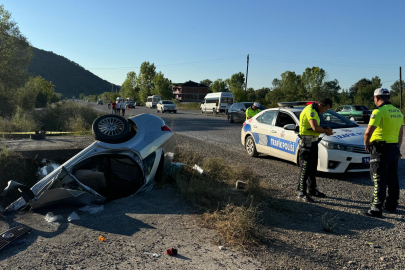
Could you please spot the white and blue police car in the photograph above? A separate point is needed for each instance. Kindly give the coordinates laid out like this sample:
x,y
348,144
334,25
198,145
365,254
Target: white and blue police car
x,y
274,132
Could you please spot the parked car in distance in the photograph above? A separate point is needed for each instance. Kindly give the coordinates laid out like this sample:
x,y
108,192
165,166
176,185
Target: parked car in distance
x,y
358,112
100,102
166,106
130,104
237,112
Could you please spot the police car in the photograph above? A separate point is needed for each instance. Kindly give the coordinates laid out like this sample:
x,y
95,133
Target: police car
x,y
274,132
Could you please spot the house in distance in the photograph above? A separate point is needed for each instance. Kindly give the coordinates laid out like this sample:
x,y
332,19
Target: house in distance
x,y
190,91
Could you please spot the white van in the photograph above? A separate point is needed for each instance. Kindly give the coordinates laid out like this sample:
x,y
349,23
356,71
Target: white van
x,y
217,102
152,101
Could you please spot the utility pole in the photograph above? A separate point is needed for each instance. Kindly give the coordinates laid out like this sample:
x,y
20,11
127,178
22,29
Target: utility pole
x,y
400,87
247,69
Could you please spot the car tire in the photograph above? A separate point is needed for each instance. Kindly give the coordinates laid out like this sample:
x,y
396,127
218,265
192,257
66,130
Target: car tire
x,y
110,128
175,111
157,111
230,118
251,147
163,111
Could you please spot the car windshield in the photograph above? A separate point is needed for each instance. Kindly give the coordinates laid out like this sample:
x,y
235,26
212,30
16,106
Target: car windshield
x,y
333,120
167,102
361,108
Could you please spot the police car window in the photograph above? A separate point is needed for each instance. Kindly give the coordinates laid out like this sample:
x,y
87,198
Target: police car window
x,y
334,120
267,117
284,119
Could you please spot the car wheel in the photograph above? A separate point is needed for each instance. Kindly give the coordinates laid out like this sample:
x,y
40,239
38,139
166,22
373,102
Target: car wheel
x,y
230,118
157,111
251,147
110,128
175,111
163,111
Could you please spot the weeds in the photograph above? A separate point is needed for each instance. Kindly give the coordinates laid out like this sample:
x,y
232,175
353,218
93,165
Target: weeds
x,y
187,106
328,223
236,225
213,191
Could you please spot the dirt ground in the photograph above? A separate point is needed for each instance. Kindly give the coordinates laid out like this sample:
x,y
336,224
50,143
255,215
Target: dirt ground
x,y
150,222
155,221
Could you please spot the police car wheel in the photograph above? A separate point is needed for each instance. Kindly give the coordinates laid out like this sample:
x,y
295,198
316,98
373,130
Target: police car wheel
x,y
251,147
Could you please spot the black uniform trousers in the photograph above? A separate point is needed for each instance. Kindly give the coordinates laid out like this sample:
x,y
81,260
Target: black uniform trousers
x,y
384,172
308,157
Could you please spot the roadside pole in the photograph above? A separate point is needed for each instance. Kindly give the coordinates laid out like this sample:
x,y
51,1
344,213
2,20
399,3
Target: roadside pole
x,y
247,69
400,87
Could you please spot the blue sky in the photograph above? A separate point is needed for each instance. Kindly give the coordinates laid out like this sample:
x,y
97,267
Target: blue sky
x,y
195,40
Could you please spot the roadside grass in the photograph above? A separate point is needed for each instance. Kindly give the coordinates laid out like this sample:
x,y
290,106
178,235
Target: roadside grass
x,y
225,208
187,106
60,116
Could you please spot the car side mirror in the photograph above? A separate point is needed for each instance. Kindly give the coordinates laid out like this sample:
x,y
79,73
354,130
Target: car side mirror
x,y
290,127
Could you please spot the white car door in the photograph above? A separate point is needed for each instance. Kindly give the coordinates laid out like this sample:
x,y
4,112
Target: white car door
x,y
261,128
284,143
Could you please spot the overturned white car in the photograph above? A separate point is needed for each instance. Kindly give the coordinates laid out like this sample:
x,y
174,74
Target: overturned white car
x,y
125,159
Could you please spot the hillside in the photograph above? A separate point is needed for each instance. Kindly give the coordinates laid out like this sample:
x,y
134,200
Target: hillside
x,y
69,78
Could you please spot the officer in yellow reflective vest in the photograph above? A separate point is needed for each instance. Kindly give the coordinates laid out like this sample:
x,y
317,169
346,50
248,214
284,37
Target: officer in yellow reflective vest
x,y
253,110
310,130
383,139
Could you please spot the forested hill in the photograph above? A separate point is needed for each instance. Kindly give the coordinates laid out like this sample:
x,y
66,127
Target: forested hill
x,y
69,78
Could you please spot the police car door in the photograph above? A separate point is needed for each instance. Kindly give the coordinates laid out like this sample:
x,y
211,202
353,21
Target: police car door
x,y
284,142
261,128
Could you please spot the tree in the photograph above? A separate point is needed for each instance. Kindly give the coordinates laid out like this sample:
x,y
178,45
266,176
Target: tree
x,y
261,95
130,87
15,56
395,88
219,86
145,80
360,84
236,85
163,86
81,96
208,83
251,94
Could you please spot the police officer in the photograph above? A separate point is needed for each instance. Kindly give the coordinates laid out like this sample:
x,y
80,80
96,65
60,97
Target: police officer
x,y
383,139
310,130
252,110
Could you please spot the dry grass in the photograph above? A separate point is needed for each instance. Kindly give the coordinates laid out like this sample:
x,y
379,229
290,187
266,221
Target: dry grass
x,y
236,225
214,192
192,106
21,121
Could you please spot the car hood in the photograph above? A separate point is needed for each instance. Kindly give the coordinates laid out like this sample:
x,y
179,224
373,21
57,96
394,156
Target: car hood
x,y
352,136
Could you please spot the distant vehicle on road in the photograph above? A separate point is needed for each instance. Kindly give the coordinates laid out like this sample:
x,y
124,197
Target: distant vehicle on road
x,y
119,99
130,104
358,112
152,101
100,102
217,102
237,112
166,106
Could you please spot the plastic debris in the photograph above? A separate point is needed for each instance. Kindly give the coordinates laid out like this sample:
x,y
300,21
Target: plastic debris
x,y
198,169
373,245
171,252
92,208
176,166
240,185
102,239
221,248
51,218
154,255
73,216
